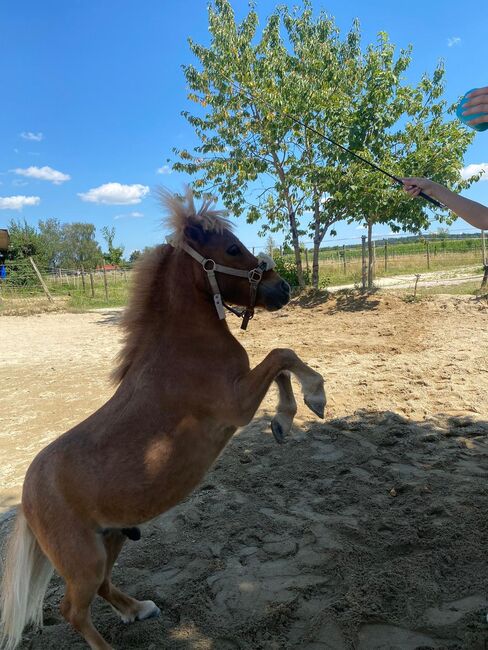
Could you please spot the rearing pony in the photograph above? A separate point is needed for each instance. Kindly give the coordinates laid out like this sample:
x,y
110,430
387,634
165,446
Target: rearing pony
x,y
185,386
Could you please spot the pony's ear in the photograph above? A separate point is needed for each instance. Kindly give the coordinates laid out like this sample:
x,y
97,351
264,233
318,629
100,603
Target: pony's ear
x,y
195,233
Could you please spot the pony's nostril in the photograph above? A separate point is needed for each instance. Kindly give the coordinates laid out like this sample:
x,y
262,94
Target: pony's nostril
x,y
285,286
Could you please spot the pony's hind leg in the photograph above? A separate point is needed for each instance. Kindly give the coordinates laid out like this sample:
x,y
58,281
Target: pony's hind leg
x,y
128,608
82,566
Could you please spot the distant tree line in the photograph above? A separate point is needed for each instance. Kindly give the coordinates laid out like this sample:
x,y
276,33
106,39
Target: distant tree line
x,y
64,245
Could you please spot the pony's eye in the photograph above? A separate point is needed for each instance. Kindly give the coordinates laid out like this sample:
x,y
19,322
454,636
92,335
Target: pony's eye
x,y
233,250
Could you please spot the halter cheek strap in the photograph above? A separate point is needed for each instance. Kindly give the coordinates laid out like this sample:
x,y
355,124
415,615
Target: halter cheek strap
x,y
210,267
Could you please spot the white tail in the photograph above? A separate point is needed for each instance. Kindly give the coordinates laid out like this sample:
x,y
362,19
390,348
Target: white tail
x,y
26,575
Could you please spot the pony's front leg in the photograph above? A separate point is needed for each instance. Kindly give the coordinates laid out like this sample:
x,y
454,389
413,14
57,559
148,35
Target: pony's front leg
x,y
252,387
287,407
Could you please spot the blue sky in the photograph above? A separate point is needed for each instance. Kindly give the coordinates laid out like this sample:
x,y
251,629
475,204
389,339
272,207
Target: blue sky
x,y
93,91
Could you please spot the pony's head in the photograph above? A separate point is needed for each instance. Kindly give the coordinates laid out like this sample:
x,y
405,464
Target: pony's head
x,y
206,235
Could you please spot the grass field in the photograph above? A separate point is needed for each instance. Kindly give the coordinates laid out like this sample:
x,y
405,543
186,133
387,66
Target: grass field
x,y
401,259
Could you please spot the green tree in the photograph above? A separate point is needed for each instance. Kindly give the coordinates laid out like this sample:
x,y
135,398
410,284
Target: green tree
x,y
24,240
402,128
265,164
134,256
115,253
248,147
51,235
80,248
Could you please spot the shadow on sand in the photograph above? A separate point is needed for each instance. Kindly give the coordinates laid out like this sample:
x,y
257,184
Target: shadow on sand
x,y
361,532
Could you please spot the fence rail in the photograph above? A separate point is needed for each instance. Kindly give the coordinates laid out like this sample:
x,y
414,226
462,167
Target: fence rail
x,y
338,265
26,279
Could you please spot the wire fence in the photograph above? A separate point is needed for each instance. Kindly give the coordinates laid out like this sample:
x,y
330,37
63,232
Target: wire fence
x,y
340,264
26,278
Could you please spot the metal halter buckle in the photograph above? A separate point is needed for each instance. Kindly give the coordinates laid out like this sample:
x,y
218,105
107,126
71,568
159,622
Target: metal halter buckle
x,y
209,261
255,275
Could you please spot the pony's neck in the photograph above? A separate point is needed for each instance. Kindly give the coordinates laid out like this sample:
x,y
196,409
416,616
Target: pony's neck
x,y
171,310
186,297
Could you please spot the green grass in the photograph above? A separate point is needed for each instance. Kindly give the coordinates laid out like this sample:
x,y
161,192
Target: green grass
x,y
332,274
437,246
69,293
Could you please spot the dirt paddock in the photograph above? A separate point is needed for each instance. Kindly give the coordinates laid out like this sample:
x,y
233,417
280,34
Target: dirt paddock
x,y
366,531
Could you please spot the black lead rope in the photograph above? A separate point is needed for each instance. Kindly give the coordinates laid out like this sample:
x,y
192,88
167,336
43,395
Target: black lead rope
x,y
294,119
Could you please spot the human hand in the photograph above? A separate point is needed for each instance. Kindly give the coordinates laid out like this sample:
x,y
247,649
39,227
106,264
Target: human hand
x,y
477,103
413,186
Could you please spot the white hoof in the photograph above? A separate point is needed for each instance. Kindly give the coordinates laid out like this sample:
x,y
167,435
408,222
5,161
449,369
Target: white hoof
x,y
147,610
314,397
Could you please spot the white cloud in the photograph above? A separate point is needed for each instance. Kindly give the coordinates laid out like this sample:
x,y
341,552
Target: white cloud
x,y
454,40
115,194
34,137
44,174
129,215
471,170
17,202
165,169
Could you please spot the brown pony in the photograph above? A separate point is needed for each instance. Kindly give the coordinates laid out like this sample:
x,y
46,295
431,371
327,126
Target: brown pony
x,y
185,387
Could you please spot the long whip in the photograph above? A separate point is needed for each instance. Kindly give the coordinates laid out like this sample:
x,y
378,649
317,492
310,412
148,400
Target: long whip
x,y
294,119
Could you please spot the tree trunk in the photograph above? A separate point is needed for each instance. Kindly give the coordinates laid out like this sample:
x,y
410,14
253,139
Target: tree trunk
x,y
296,248
317,240
370,255
291,215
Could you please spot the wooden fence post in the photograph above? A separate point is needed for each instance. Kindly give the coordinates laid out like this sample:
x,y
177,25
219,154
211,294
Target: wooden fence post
x,y
417,278
344,258
105,282
363,262
92,284
43,284
370,255
386,255
428,254
83,279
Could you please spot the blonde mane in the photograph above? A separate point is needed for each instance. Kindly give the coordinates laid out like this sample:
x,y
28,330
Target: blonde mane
x,y
181,212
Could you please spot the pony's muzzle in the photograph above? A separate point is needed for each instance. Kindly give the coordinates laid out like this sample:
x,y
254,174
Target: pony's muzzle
x,y
274,296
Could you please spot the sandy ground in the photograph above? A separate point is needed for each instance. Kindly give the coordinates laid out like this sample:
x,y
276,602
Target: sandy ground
x,y
366,531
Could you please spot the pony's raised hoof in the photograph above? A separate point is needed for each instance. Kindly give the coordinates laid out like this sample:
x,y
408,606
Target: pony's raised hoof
x,y
316,405
277,429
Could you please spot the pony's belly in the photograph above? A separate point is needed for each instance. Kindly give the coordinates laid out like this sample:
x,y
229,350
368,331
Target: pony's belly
x,y
173,468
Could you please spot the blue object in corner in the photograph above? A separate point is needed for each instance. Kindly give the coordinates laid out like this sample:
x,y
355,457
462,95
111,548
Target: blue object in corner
x,y
465,118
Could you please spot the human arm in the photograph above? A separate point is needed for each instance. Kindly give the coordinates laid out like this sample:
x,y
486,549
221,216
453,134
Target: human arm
x,y
473,212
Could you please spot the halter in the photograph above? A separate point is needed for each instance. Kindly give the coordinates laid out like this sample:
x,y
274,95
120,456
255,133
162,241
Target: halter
x,y
210,267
